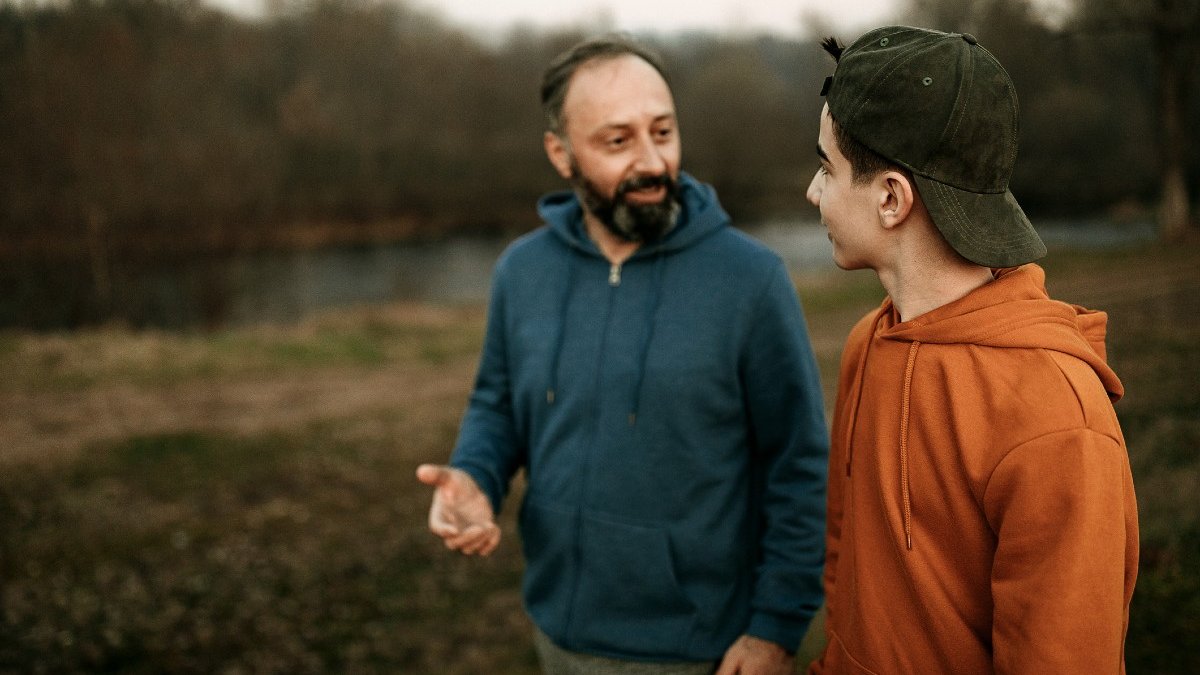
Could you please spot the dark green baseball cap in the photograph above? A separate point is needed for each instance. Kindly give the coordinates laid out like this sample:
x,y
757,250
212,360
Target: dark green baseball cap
x,y
941,106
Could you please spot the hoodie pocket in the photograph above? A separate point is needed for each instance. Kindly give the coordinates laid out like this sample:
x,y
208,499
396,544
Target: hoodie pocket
x,y
595,584
629,599
546,538
837,658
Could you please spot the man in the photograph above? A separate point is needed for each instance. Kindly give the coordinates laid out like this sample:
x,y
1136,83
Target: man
x,y
981,509
649,368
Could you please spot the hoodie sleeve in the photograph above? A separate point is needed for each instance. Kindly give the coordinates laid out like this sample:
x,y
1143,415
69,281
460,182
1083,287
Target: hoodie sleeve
x,y
787,423
1064,514
487,448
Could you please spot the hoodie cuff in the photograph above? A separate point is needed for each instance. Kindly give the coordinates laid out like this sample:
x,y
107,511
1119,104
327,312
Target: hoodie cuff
x,y
782,630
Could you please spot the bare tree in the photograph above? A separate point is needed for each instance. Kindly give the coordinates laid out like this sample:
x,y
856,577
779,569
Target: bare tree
x,y
1173,29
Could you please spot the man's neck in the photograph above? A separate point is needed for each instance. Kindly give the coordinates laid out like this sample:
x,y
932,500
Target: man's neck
x,y
918,285
615,249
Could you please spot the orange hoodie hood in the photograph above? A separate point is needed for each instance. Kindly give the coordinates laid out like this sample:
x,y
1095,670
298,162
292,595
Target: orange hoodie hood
x,y
1015,311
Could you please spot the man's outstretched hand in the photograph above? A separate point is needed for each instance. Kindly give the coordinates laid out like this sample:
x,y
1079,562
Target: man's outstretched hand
x,y
460,514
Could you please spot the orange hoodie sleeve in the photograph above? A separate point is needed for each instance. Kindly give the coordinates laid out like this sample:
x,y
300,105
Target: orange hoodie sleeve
x,y
1064,514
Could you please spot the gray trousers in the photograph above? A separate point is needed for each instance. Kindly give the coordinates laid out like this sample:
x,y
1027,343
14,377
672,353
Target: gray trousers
x,y
558,661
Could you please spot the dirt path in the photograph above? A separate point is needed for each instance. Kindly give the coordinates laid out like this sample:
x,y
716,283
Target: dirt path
x,y
56,425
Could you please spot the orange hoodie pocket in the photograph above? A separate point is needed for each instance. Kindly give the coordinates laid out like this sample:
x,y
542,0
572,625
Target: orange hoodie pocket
x,y
838,660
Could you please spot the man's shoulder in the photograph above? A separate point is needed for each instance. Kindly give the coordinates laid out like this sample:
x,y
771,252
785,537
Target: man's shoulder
x,y
529,247
731,248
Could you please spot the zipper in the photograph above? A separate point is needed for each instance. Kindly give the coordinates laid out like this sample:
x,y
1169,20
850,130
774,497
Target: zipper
x,y
614,275
614,280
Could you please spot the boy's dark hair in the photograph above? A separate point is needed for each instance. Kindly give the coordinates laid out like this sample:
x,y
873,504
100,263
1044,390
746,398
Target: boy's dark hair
x,y
865,163
558,74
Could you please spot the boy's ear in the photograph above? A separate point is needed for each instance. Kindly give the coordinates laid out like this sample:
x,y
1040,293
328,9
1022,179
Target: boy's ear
x,y
558,153
897,197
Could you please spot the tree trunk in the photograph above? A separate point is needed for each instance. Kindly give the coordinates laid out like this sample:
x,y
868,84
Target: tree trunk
x,y
98,254
1171,51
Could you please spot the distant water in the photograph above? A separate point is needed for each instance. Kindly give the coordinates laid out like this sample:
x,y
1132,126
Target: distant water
x,y
285,286
1090,235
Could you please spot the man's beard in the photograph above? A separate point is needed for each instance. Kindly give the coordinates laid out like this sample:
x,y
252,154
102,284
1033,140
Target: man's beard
x,y
641,223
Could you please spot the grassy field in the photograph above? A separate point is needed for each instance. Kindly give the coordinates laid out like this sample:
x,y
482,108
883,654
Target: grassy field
x,y
243,501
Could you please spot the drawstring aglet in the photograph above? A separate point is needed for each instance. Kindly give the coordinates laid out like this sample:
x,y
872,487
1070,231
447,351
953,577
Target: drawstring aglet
x,y
550,396
909,537
632,419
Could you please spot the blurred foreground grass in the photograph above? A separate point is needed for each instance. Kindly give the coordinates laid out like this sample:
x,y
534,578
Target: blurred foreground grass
x,y
243,501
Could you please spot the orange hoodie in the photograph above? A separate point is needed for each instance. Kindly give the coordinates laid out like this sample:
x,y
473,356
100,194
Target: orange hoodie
x,y
981,508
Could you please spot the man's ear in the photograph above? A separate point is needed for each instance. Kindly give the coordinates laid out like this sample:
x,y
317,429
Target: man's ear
x,y
558,153
897,197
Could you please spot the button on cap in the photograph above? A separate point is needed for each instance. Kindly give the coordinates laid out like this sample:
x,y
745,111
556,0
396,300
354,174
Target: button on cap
x,y
970,39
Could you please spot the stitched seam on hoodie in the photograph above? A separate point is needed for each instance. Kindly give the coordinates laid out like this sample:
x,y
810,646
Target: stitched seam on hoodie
x,y
905,410
1083,413
846,651
1011,451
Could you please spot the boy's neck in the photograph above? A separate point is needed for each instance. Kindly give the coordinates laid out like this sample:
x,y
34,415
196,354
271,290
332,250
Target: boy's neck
x,y
920,283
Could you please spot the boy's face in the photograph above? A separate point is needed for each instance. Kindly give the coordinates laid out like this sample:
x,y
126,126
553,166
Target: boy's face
x,y
848,208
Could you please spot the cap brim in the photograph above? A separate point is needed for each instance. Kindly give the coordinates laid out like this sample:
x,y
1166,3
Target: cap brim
x,y
987,229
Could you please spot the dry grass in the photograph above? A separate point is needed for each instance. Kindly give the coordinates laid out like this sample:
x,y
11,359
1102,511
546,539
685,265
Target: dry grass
x,y
243,502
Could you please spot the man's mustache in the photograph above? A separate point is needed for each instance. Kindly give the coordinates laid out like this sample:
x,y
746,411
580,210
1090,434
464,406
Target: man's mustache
x,y
643,182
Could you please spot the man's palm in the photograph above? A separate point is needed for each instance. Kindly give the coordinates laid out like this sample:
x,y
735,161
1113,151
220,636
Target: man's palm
x,y
461,513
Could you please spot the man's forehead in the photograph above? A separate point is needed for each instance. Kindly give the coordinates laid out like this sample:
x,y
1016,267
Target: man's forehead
x,y
614,87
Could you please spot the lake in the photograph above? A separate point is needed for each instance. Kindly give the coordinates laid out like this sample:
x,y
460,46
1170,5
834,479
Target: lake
x,y
284,286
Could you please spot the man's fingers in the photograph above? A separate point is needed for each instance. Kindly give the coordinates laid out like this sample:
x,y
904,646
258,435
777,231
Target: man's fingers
x,y
492,542
485,543
472,539
433,474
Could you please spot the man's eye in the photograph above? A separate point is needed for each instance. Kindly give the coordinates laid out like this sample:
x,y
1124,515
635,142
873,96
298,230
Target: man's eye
x,y
616,142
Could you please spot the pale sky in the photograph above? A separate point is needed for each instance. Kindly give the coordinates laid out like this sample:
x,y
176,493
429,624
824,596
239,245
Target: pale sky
x,y
785,17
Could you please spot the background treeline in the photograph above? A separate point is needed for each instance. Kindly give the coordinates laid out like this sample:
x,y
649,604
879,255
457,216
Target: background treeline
x,y
153,126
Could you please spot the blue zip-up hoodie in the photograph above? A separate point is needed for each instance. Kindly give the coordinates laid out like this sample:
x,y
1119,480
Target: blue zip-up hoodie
x,y
669,418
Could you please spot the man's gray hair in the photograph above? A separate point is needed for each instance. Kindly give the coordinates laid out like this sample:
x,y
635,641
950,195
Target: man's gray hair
x,y
558,74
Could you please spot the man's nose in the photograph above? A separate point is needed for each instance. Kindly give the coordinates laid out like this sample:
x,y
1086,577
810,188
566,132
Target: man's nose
x,y
814,189
650,160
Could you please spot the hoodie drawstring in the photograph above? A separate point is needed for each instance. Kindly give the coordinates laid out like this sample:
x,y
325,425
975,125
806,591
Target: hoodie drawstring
x,y
904,408
652,320
564,304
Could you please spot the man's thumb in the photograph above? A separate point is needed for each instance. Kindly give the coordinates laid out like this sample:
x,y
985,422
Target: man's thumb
x,y
433,474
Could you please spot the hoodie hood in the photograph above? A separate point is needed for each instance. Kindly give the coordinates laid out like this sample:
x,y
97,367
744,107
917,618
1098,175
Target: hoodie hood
x,y
700,216
1014,311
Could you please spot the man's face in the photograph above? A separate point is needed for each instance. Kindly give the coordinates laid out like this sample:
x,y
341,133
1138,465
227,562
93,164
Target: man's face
x,y
847,208
621,149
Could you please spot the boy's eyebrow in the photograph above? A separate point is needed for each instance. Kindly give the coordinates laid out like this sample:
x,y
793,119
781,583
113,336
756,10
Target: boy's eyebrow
x,y
821,153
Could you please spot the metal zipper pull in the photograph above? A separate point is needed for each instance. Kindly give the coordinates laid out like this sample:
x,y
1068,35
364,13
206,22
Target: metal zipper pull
x,y
614,275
